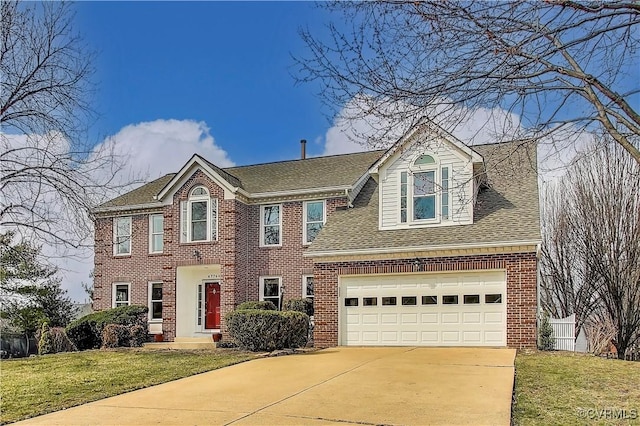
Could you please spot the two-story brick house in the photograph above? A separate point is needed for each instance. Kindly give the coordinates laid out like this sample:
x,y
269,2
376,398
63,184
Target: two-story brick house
x,y
427,243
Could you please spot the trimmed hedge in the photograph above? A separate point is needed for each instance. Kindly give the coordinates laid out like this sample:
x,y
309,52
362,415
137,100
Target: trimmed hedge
x,y
299,305
259,305
266,330
86,332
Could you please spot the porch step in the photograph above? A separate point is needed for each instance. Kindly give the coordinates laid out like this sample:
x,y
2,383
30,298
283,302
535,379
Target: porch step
x,y
201,342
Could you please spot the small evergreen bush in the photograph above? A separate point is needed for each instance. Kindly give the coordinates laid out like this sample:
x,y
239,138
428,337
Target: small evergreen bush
x,y
137,335
115,336
61,343
260,305
267,330
546,340
45,345
299,305
86,332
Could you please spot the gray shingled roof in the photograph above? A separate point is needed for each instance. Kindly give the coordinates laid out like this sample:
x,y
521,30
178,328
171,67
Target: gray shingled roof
x,y
317,172
141,195
506,211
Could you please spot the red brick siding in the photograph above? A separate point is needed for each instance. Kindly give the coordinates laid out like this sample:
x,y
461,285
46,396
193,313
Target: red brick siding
x,y
521,271
236,250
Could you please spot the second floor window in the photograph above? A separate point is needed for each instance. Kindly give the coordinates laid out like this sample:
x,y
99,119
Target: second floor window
x,y
121,236
424,191
156,233
199,217
314,218
270,225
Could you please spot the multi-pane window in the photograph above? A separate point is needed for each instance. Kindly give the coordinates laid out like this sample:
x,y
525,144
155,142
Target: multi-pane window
x,y
424,195
156,233
199,217
121,294
270,225
121,236
314,218
155,301
424,191
270,290
403,197
307,290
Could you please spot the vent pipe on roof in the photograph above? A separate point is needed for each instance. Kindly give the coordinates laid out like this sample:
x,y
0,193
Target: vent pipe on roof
x,y
303,149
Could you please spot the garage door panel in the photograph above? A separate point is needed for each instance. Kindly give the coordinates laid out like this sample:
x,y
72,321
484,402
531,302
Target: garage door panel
x,y
409,318
430,318
409,309
450,318
471,317
389,319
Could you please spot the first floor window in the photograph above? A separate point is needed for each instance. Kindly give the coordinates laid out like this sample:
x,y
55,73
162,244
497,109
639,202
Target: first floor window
x,y
270,290
314,218
155,301
121,294
121,236
270,225
307,291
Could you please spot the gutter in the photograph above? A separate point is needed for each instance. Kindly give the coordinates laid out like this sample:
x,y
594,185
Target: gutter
x,y
420,248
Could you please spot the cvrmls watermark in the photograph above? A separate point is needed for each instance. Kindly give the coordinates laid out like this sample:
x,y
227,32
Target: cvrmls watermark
x,y
608,413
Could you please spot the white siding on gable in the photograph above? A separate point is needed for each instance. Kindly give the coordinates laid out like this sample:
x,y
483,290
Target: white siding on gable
x,y
460,185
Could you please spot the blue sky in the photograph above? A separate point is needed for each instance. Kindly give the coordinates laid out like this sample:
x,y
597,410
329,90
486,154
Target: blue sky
x,y
227,64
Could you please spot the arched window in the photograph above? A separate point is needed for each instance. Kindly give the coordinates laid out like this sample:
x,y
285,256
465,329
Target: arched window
x,y
424,191
199,216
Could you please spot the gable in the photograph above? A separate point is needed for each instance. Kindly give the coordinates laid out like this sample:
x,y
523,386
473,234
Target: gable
x,y
427,179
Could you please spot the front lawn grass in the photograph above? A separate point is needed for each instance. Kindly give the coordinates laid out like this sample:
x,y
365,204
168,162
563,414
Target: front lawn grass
x,y
562,388
43,384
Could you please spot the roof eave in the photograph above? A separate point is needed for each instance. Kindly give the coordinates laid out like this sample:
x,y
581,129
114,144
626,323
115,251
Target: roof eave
x,y
390,250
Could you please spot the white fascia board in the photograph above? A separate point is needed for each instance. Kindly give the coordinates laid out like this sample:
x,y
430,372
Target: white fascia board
x,y
195,161
420,248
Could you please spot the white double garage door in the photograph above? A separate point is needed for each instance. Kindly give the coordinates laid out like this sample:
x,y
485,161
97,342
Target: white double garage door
x,y
443,309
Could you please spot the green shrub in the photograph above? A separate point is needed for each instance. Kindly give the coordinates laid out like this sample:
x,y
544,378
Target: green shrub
x,y
546,340
137,335
259,305
45,345
266,330
115,336
86,332
299,305
60,340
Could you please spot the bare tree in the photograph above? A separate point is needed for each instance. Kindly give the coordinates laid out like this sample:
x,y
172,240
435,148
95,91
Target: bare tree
x,y
591,254
553,68
50,177
564,284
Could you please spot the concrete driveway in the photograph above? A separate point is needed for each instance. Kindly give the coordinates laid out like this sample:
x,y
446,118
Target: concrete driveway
x,y
370,386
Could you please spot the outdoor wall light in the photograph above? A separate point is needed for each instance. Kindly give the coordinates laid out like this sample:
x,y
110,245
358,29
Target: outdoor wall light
x,y
197,255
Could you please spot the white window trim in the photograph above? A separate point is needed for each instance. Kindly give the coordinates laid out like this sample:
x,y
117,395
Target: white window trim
x,y
304,218
304,286
280,287
151,233
211,224
150,300
113,293
412,169
262,226
115,236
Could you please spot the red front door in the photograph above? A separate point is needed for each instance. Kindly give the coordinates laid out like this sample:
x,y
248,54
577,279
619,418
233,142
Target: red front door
x,y
212,305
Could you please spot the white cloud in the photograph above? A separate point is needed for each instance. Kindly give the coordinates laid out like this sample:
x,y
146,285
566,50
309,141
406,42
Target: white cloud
x,y
158,147
355,130
146,150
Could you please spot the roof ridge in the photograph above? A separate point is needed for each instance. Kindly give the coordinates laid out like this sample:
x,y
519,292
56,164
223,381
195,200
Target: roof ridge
x,y
305,159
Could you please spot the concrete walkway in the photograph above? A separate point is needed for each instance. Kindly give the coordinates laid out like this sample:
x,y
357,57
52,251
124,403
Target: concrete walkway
x,y
370,386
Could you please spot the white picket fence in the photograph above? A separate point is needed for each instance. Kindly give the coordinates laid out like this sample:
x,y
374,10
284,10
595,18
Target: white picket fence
x,y
564,333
